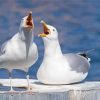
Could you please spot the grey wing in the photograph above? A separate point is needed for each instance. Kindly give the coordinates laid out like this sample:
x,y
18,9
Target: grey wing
x,y
3,48
77,62
2,53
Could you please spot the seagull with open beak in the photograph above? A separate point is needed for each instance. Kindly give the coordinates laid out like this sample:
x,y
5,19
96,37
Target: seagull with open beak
x,y
59,68
20,52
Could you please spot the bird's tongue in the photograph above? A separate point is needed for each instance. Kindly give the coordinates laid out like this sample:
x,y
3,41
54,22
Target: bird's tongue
x,y
45,28
29,20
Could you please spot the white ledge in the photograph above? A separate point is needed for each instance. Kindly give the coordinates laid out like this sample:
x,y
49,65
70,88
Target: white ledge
x,y
80,91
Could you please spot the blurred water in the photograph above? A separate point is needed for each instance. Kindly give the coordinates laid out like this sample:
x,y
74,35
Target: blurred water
x,y
77,22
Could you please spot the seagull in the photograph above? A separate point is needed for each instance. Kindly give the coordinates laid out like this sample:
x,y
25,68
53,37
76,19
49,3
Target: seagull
x,y
20,52
59,68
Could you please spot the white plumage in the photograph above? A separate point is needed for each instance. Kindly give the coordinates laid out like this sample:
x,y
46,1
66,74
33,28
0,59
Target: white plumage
x,y
59,68
20,52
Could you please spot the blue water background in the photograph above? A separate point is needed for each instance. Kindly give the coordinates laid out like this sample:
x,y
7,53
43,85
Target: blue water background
x,y
77,21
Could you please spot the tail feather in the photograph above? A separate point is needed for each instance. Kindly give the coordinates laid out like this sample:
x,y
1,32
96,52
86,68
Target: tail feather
x,y
84,54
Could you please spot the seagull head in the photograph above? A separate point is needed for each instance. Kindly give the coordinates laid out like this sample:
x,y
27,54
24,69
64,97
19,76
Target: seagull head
x,y
27,22
49,32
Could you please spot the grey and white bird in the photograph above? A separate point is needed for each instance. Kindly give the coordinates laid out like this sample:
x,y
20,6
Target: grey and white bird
x,y
59,68
20,52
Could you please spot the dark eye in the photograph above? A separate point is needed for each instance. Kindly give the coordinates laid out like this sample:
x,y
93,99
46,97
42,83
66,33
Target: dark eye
x,y
53,29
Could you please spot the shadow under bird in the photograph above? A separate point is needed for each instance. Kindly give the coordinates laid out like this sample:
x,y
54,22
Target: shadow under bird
x,y
20,52
59,68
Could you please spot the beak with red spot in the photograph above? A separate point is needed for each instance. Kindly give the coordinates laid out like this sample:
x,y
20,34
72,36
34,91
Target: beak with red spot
x,y
46,30
29,20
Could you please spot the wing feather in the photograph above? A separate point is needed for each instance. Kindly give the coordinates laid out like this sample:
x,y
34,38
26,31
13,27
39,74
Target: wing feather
x,y
77,62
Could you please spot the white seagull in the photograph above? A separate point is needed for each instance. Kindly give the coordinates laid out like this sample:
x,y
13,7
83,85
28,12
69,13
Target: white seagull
x,y
59,68
20,52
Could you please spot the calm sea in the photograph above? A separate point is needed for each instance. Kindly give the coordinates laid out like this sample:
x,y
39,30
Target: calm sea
x,y
77,21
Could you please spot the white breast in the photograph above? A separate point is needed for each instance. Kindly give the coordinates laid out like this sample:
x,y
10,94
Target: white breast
x,y
57,71
15,54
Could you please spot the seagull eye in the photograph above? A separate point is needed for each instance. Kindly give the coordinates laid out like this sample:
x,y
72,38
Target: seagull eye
x,y
53,29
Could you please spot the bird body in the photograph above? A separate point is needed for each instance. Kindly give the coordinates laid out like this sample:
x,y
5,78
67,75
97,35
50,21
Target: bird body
x,y
59,68
15,54
20,52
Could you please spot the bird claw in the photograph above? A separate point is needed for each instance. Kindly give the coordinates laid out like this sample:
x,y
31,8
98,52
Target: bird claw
x,y
12,91
29,89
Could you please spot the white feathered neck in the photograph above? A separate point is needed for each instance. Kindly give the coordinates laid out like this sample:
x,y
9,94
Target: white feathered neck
x,y
52,47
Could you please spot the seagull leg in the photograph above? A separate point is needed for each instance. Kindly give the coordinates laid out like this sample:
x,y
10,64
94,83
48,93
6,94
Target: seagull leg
x,y
28,83
11,88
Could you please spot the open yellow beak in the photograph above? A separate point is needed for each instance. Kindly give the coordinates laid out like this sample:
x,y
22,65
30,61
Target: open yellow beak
x,y
45,29
42,35
29,20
